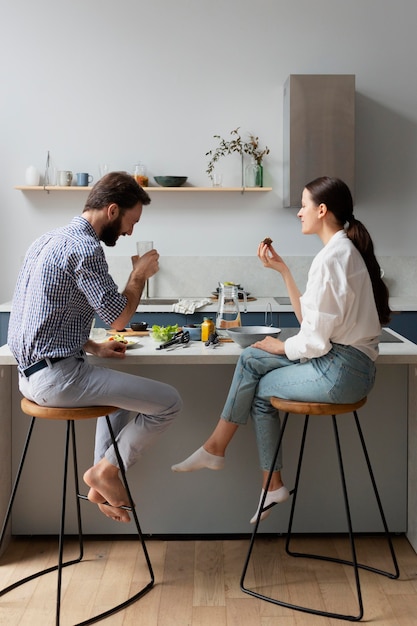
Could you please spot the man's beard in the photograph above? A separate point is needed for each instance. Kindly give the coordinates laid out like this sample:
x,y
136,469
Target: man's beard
x,y
110,233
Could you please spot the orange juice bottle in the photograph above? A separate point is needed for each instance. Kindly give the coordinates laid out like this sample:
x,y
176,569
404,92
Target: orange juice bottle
x,y
207,328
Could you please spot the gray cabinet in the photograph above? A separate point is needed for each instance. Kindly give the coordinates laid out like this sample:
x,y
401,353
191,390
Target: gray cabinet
x,y
319,131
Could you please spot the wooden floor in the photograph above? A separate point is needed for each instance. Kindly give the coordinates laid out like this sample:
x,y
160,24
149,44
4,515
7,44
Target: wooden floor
x,y
197,583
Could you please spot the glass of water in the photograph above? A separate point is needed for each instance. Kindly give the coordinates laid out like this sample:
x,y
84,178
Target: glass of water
x,y
141,248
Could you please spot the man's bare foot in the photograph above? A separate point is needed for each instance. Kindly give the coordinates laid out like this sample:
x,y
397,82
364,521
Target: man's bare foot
x,y
106,486
115,513
95,496
118,515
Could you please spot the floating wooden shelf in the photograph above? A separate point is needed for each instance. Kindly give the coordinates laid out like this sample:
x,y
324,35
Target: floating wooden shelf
x,y
151,189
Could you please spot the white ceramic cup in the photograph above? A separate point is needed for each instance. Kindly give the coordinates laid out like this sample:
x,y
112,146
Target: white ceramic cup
x,y
32,176
64,178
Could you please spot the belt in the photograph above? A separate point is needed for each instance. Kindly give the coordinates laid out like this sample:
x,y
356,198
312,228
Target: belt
x,y
40,365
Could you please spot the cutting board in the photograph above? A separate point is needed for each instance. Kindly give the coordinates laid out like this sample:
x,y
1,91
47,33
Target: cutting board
x,y
128,332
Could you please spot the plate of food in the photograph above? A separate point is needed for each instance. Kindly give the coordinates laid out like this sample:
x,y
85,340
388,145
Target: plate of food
x,y
130,343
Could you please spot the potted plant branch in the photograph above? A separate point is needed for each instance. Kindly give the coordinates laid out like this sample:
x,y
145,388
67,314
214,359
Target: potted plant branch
x,y
236,144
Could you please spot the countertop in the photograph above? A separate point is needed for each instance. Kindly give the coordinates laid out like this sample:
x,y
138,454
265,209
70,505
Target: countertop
x,y
259,305
145,353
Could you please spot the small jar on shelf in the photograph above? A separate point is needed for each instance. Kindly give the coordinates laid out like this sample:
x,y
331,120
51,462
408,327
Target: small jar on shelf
x,y
140,175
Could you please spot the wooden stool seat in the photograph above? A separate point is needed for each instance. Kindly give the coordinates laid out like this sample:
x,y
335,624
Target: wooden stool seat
x,y
72,415
65,413
315,408
326,409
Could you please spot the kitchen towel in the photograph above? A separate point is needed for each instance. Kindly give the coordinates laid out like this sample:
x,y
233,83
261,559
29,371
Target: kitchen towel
x,y
189,305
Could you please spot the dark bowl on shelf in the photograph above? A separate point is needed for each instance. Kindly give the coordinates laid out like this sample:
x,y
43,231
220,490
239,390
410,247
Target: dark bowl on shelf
x,y
170,181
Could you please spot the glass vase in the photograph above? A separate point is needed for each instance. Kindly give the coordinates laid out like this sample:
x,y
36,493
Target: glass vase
x,y
250,174
259,178
253,175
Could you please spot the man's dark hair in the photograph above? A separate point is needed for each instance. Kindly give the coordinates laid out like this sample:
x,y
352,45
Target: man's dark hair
x,y
119,188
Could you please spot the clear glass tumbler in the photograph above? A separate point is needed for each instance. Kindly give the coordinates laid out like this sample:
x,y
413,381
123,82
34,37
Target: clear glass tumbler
x,y
141,248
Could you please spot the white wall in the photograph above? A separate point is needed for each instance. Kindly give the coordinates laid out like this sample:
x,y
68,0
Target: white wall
x,y
99,80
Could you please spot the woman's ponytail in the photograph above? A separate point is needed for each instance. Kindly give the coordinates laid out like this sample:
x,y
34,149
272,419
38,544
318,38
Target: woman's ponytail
x,y
361,238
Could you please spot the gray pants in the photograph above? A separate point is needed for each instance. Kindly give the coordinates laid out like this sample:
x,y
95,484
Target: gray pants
x,y
147,407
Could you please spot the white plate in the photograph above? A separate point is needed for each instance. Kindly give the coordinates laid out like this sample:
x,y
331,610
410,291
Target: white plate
x,y
131,344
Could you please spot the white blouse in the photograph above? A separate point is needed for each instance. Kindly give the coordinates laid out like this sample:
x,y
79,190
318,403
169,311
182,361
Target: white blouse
x,y
338,305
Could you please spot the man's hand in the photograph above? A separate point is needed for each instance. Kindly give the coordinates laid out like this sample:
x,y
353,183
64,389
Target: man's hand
x,y
106,349
146,265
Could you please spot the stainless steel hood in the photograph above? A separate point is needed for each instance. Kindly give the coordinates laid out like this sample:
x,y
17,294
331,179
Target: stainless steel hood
x,y
319,131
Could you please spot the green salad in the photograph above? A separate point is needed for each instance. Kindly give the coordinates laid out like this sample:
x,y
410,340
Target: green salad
x,y
164,333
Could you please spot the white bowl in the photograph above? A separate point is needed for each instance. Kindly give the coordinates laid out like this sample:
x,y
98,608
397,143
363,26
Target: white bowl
x,y
247,335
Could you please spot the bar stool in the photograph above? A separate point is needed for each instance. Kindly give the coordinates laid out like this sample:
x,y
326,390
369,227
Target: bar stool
x,y
307,409
71,415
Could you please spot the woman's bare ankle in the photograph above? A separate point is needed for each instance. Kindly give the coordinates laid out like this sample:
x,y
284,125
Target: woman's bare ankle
x,y
276,481
213,448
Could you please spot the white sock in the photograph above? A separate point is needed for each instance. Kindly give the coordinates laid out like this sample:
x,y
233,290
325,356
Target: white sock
x,y
200,459
272,497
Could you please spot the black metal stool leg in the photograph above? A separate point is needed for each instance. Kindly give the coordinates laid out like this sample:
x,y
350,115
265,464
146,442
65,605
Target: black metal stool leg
x,y
132,510
353,563
14,490
369,568
77,490
69,432
47,570
261,509
297,481
396,574
70,438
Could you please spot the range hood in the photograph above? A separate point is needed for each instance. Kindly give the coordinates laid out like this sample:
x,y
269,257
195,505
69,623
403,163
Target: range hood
x,y
319,131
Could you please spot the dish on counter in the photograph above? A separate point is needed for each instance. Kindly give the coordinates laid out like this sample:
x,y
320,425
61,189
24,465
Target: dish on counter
x,y
245,336
139,326
130,343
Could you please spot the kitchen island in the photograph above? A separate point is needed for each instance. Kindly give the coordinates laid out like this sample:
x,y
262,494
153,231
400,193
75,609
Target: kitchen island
x,y
213,503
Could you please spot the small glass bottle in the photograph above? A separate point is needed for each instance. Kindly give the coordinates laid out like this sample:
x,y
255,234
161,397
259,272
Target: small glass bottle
x,y
50,172
140,175
207,328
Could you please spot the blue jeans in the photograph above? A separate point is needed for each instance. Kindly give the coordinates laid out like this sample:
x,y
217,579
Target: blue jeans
x,y
343,375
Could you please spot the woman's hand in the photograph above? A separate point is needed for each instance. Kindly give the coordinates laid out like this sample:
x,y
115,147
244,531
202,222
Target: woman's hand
x,y
271,345
270,258
106,349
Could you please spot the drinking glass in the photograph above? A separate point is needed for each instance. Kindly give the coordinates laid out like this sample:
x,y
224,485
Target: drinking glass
x,y
217,179
103,169
141,248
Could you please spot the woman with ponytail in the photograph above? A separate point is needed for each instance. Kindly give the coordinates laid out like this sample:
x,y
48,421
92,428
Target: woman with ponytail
x,y
332,357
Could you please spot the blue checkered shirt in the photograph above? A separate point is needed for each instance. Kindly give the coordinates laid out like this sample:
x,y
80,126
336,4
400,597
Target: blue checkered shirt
x,y
64,280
